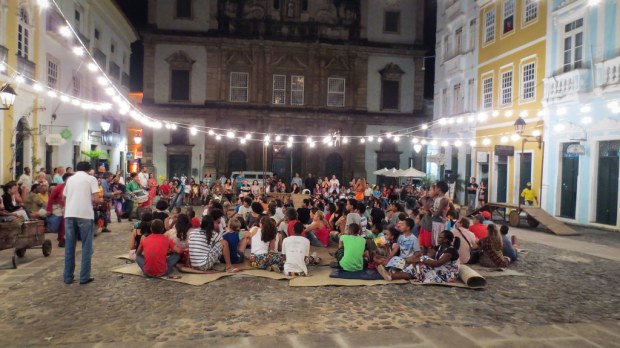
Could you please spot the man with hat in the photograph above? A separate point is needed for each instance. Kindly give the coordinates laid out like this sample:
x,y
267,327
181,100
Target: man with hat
x,y
528,195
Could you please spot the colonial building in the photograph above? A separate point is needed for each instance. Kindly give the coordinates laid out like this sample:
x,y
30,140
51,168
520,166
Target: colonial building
x,y
456,60
47,127
283,67
582,98
511,56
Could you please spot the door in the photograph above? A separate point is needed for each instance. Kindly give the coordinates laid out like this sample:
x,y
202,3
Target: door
x,y
607,187
49,152
333,166
568,188
21,137
502,181
178,165
525,171
484,178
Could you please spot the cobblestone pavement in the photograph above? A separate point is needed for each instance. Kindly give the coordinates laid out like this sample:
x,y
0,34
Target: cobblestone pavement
x,y
562,288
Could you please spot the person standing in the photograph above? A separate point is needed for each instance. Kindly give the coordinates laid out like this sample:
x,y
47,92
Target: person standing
x,y
25,180
529,195
296,180
81,194
143,176
472,190
130,188
56,206
57,179
310,182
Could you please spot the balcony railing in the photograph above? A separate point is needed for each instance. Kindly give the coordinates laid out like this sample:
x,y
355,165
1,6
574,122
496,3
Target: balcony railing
x,y
100,58
25,67
567,85
608,72
115,70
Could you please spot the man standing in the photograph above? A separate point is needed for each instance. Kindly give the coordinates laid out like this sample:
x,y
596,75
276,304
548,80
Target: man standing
x,y
132,186
81,194
472,189
528,195
296,180
25,179
143,176
310,182
60,171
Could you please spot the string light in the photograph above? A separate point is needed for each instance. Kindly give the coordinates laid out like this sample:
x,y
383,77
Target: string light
x,y
278,137
193,131
20,79
230,134
472,143
536,133
514,137
242,141
424,126
345,140
415,140
289,144
218,137
508,113
486,141
78,51
495,113
370,139
379,140
586,120
362,140
503,139
396,138
291,139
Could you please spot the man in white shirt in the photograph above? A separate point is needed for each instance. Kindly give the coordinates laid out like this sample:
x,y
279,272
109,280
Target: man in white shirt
x,y
81,193
25,179
333,181
143,176
297,251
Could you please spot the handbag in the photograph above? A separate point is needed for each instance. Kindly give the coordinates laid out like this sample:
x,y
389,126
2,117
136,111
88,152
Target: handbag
x,y
474,254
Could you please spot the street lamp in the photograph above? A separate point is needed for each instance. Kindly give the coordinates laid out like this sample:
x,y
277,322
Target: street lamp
x,y
7,96
105,126
526,138
137,139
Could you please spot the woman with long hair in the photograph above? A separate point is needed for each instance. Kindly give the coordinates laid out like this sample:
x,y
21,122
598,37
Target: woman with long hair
x,y
152,184
263,245
206,246
492,249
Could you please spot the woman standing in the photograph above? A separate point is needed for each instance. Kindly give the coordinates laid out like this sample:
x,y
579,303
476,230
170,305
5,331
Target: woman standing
x,y
152,184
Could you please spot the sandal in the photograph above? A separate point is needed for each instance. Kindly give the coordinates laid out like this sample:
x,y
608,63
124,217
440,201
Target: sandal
x,y
233,270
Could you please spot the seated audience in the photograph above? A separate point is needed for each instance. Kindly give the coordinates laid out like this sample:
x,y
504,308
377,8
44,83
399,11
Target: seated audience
x,y
493,250
511,248
469,242
263,244
318,231
206,246
152,254
296,250
351,250
479,229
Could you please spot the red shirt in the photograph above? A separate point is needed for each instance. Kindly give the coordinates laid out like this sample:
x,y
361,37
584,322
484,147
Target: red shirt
x,y
164,189
155,250
479,230
290,230
195,222
56,197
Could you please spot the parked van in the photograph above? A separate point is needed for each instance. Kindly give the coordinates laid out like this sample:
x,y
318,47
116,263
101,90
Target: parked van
x,y
250,176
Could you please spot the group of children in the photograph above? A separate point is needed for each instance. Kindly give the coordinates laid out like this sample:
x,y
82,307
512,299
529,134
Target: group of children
x,y
279,238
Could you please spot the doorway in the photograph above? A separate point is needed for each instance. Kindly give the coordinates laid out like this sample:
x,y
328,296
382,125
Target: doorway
x,y
178,165
333,166
568,188
502,179
21,138
607,184
525,172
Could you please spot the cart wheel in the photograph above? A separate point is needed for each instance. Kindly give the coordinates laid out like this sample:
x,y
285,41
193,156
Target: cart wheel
x,y
533,223
20,252
47,247
14,261
514,219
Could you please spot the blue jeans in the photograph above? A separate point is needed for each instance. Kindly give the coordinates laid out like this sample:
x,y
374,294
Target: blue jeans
x,y
171,261
314,241
73,228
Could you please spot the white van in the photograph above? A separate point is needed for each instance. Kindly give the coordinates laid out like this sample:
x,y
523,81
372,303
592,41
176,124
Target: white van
x,y
250,176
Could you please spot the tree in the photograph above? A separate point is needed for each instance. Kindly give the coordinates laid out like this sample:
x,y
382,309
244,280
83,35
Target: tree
x,y
95,156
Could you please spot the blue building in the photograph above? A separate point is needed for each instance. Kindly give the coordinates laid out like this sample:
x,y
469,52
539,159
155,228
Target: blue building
x,y
582,112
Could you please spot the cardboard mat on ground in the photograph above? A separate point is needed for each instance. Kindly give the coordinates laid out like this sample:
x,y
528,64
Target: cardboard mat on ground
x,y
497,272
185,278
469,279
319,276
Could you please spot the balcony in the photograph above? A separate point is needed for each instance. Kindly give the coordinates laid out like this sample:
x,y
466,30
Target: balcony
x,y
100,58
454,10
567,86
25,67
608,73
125,80
115,70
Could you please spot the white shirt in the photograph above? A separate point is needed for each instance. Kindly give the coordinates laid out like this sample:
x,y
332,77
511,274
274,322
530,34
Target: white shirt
x,y
334,181
26,181
296,248
144,178
244,211
258,246
78,194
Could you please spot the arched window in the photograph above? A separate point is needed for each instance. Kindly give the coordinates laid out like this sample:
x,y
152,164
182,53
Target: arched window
x,y
390,86
23,34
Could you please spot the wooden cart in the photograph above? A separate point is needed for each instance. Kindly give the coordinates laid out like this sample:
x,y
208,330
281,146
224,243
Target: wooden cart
x,y
22,236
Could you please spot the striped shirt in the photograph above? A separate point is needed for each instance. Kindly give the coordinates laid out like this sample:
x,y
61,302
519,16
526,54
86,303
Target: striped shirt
x,y
201,252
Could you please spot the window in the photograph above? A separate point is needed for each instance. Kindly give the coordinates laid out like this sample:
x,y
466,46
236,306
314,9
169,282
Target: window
x,y
506,88
487,93
509,16
457,101
279,89
77,84
78,19
23,34
391,22
472,34
52,74
528,75
112,49
335,91
54,20
297,90
470,96
179,85
446,48
489,25
444,102
180,136
458,40
390,92
531,11
238,87
96,34
573,45
304,5
184,9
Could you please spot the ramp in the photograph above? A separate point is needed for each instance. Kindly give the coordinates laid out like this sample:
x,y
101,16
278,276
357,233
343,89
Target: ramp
x,y
554,225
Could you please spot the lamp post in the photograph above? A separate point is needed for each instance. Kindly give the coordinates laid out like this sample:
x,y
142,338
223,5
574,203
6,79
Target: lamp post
x,y
7,96
535,137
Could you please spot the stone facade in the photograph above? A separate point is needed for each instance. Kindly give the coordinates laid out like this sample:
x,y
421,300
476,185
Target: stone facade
x,y
271,47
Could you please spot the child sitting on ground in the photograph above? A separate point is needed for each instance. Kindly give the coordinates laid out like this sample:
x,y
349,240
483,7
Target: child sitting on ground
x,y
511,248
391,247
297,251
352,250
236,241
152,254
263,244
141,228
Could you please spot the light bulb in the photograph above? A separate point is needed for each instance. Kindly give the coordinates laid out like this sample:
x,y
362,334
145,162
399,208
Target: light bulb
x,y
193,131
585,108
309,140
388,135
330,143
109,91
486,142
37,87
173,126
495,113
92,66
472,143
278,137
326,139
444,143
471,119
442,122
370,139
379,139
536,133
218,137
52,94
458,143
434,142
102,81
248,136
396,138
482,116
78,51
503,139
64,98
230,134
312,144
559,128
76,102
345,140
267,137
415,140
508,113
20,79
291,139
289,144
523,114
451,120
211,132
43,3
514,137
362,141
459,120
424,126
417,148
64,31
242,141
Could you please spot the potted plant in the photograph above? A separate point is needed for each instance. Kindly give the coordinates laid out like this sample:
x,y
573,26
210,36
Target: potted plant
x,y
95,156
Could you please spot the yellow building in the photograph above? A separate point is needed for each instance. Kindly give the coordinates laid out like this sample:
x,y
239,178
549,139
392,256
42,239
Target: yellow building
x,y
511,66
19,53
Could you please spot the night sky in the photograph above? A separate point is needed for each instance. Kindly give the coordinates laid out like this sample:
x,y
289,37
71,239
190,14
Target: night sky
x,y
136,11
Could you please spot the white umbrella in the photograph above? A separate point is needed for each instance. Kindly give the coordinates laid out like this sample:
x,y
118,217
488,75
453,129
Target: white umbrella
x,y
413,173
380,171
395,173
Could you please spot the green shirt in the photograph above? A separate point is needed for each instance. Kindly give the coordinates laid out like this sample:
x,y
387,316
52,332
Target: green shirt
x,y
132,187
353,259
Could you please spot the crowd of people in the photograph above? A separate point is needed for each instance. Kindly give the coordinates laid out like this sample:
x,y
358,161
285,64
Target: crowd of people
x,y
417,234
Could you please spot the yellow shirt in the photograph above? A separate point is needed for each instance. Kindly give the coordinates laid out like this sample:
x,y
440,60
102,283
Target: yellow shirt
x,y
528,194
